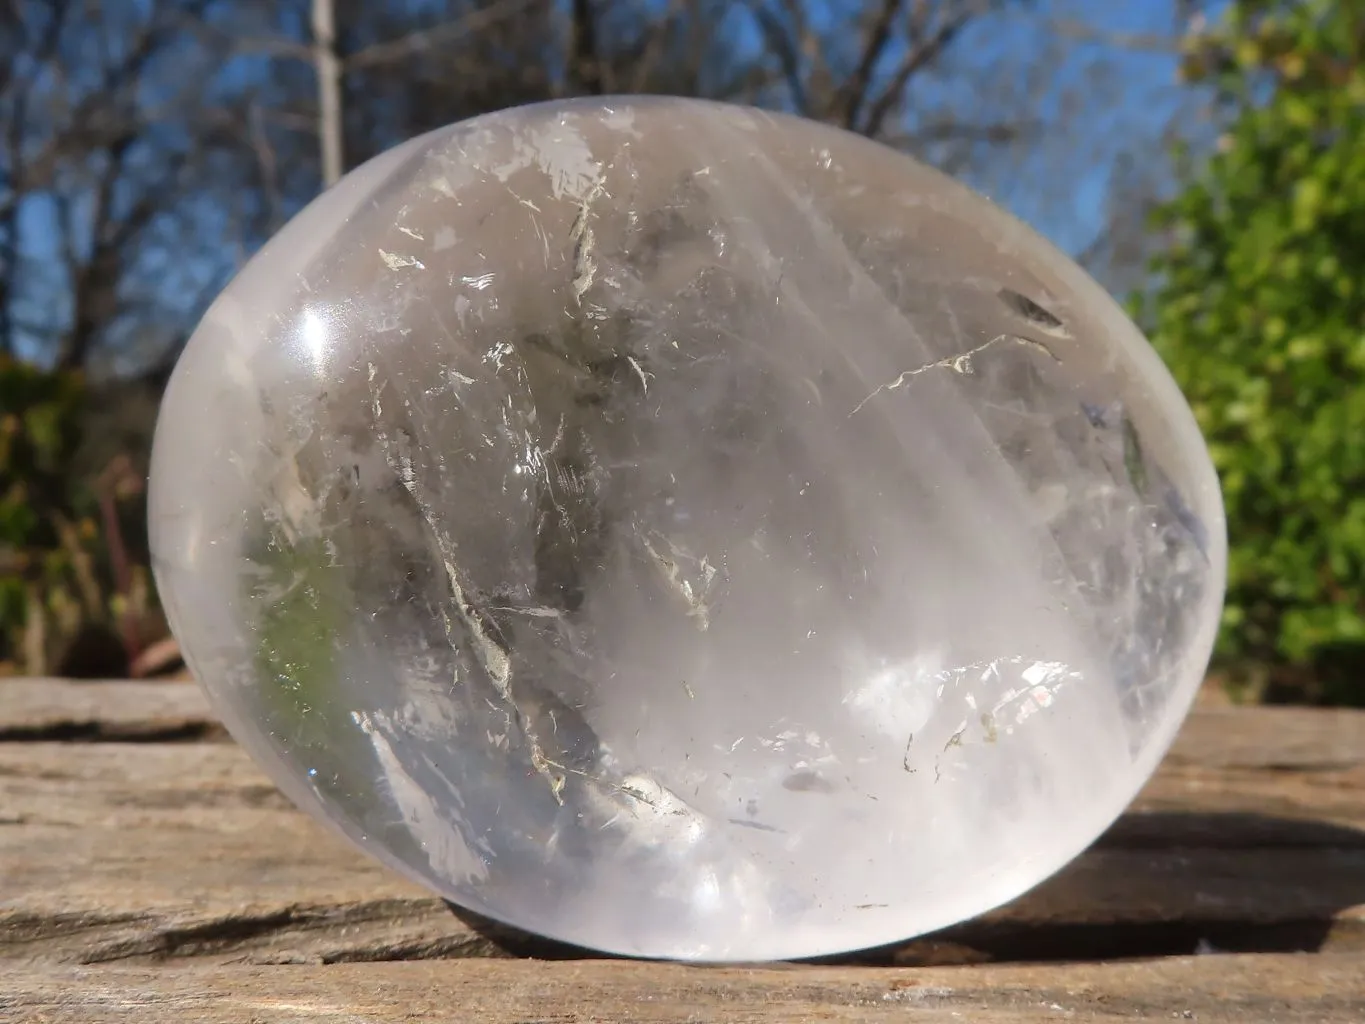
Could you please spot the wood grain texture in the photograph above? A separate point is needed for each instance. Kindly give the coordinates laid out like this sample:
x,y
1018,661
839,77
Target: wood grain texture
x,y
1323,989
146,864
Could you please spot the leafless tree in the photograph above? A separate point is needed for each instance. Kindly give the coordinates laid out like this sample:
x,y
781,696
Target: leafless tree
x,y
146,148
111,132
1119,124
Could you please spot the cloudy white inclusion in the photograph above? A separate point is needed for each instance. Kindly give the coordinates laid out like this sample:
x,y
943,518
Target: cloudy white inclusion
x,y
898,697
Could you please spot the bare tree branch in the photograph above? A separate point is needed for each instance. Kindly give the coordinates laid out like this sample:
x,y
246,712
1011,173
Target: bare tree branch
x,y
649,56
13,171
963,131
427,39
269,166
1080,31
786,45
329,91
218,37
585,64
920,52
93,131
95,280
853,94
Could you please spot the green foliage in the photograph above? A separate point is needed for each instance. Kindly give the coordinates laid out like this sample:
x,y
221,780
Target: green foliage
x,y
305,604
305,601
1260,313
62,576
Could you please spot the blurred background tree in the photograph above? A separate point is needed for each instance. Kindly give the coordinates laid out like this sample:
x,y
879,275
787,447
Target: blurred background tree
x,y
149,147
1259,309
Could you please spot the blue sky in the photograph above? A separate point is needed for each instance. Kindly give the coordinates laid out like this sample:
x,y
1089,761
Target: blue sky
x,y
1123,96
1107,100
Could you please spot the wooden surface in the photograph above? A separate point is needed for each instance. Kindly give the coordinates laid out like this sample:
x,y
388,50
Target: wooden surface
x,y
149,872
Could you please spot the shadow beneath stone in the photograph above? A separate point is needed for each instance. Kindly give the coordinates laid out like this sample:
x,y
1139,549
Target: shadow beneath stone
x,y
517,943
1183,830
1155,884
1171,884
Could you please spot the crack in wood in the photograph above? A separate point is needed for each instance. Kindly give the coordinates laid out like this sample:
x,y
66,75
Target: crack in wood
x,y
95,731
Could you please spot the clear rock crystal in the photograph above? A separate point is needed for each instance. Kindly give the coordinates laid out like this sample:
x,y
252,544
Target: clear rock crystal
x,y
686,531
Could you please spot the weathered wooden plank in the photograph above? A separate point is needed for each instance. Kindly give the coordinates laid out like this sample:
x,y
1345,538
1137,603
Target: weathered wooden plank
x,y
151,850
1283,738
1324,989
123,710
168,880
1253,837
146,851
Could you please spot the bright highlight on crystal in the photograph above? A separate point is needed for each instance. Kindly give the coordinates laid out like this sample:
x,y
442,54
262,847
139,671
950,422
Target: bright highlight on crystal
x,y
686,531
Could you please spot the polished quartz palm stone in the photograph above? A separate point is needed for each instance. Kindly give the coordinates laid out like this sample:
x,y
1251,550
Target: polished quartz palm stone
x,y
686,531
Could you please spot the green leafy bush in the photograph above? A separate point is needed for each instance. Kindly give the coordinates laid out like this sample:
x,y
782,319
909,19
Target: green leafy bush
x,y
69,594
1259,310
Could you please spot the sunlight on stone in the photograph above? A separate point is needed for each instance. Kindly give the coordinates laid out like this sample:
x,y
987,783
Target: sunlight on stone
x,y
685,531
